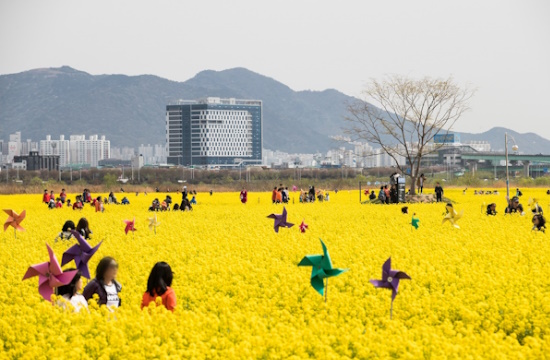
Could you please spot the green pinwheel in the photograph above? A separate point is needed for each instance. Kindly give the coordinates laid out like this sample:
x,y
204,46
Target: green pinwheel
x,y
415,221
321,269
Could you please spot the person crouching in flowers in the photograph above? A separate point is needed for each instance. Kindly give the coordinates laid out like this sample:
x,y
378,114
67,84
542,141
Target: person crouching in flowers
x,y
492,209
105,285
158,285
539,223
70,292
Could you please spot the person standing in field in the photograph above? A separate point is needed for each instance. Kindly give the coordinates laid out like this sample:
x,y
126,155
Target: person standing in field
x,y
438,192
46,197
274,195
244,196
420,182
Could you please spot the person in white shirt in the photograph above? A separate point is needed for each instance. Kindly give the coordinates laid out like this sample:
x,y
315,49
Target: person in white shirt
x,y
70,292
105,285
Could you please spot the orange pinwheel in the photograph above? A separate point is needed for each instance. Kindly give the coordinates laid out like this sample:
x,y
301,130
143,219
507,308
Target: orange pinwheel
x,y
14,220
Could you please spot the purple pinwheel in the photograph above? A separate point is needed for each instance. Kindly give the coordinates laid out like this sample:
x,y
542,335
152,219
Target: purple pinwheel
x,y
390,280
81,254
280,221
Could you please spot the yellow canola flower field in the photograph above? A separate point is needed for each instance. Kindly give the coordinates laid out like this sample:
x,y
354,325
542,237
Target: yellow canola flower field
x,y
481,291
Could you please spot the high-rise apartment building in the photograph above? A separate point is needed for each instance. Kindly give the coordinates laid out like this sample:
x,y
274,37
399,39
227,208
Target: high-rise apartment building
x,y
214,131
89,151
56,147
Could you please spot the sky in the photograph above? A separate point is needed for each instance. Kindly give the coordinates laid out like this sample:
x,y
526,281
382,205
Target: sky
x,y
501,48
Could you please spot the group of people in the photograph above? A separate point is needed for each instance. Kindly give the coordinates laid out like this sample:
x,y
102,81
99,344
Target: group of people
x,y
515,207
82,228
107,288
186,203
54,202
386,195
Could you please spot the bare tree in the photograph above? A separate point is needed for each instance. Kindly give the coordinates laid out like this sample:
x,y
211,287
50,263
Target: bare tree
x,y
403,115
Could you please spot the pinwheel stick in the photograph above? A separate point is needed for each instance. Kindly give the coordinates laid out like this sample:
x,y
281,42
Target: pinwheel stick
x,y
326,291
15,232
391,310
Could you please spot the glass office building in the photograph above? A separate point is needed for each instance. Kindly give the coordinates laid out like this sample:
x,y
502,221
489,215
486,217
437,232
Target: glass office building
x,y
214,132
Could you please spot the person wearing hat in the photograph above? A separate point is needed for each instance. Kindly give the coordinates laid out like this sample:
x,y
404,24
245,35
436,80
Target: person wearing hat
x,y
514,206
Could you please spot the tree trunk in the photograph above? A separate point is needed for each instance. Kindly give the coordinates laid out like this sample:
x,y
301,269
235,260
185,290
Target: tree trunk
x,y
413,185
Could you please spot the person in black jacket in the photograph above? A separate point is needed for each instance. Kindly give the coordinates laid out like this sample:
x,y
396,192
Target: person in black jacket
x,y
539,223
514,207
372,195
438,192
105,285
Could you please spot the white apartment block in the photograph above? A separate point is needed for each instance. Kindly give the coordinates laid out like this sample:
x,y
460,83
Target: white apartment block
x,y
89,151
59,147
77,150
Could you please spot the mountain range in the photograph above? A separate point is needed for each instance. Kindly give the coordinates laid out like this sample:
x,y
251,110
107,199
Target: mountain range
x,y
130,110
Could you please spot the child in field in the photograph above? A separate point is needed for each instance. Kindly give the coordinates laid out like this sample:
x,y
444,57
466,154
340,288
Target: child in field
x,y
65,233
70,292
539,223
51,203
158,285
99,205
125,201
492,209
46,197
83,228
78,203
58,204
193,200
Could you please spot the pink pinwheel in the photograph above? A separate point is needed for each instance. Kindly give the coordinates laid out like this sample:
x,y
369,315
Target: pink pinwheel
x,y
280,221
81,254
390,280
130,225
14,220
303,227
49,275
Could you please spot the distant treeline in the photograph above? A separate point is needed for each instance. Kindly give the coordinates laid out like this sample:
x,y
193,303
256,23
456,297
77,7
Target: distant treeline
x,y
255,179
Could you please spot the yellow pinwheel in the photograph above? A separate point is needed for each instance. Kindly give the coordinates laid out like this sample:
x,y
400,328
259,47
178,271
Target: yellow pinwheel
x,y
535,207
452,216
153,223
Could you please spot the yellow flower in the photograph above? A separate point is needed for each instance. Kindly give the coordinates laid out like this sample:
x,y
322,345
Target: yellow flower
x,y
481,291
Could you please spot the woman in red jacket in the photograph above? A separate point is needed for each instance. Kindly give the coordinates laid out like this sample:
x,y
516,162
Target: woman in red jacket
x,y
158,285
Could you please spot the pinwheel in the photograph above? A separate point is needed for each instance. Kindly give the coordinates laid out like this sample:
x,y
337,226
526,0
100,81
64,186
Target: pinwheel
x,y
452,216
390,280
14,220
321,269
280,221
49,275
303,227
535,207
130,226
81,254
415,221
153,223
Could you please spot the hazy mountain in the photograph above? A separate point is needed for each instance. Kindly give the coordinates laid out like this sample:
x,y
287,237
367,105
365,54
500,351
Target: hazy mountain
x,y
528,143
129,110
